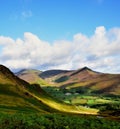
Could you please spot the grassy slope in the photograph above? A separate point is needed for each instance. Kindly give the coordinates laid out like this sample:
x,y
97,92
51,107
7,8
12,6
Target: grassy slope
x,y
32,77
41,95
14,95
18,95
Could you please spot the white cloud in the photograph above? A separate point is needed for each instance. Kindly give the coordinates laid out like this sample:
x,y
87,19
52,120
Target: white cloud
x,y
100,51
5,40
104,42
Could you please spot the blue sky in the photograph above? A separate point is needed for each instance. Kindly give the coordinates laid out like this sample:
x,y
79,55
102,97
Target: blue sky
x,y
57,19
60,24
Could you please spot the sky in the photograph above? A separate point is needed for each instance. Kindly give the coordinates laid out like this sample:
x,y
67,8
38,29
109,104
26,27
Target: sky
x,y
60,34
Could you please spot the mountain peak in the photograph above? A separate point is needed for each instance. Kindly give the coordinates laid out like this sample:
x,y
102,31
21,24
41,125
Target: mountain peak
x,y
80,70
85,68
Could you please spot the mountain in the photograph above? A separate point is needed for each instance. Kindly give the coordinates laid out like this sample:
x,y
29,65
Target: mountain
x,y
91,81
51,73
31,76
39,77
83,79
17,95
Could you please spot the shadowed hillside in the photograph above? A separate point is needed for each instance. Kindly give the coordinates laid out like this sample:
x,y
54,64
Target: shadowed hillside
x,y
51,73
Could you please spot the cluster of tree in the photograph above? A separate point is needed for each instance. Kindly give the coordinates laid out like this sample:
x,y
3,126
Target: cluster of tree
x,y
55,121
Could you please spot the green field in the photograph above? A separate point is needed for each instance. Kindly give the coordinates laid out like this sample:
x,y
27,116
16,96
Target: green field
x,y
108,105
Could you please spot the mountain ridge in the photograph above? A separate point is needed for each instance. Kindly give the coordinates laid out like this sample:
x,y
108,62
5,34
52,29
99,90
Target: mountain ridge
x,y
49,73
16,95
87,78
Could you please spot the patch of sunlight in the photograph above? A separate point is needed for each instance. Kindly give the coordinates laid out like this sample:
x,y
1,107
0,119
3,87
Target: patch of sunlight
x,y
64,107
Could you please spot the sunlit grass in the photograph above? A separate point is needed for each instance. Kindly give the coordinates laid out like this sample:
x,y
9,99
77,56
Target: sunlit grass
x,y
59,105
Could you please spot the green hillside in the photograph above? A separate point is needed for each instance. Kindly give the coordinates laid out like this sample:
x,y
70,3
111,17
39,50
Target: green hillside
x,y
17,95
24,105
14,95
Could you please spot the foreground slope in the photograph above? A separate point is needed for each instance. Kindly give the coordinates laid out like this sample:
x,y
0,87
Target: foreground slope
x,y
18,95
14,94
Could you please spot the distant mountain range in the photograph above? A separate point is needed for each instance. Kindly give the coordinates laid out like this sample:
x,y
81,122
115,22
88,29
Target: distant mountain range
x,y
17,95
84,79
